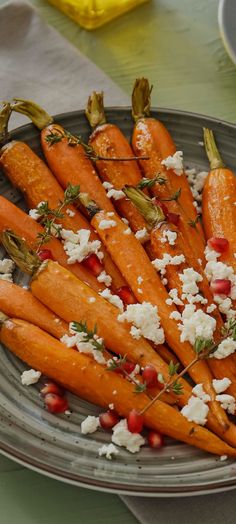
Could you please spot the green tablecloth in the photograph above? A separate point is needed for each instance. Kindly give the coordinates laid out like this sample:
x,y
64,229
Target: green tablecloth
x,y
176,44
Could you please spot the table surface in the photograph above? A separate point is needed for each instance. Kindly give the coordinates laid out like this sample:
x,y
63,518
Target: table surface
x,y
176,44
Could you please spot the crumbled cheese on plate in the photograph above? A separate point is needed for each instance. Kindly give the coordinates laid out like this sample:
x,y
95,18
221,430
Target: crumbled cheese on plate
x,y
78,246
123,437
146,321
108,450
30,377
90,424
175,162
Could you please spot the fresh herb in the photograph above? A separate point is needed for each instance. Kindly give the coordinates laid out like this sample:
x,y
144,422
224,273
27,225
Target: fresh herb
x,y
174,197
89,335
150,182
173,368
140,387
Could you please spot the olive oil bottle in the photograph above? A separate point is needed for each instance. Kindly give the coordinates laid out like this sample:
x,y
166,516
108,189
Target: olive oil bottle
x,y
94,13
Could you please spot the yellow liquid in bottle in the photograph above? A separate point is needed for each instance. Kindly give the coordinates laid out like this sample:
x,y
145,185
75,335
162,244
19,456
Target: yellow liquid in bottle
x,y
94,13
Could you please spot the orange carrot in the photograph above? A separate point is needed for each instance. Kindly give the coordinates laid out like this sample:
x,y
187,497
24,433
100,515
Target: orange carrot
x,y
133,262
18,302
219,201
30,175
108,141
11,217
86,378
152,139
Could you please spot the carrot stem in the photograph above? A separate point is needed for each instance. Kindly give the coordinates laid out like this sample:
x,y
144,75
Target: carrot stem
x,y
5,113
37,114
153,214
25,258
212,150
95,109
141,99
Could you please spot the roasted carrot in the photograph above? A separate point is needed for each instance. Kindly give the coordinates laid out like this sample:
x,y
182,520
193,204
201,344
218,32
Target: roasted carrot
x,y
18,302
84,377
219,201
65,155
30,175
133,262
151,138
108,141
11,217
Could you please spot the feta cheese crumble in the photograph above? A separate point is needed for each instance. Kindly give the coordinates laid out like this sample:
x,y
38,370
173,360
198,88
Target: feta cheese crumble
x,y
175,162
7,267
34,213
221,385
169,236
196,411
90,424
189,279
196,182
107,185
108,450
123,437
78,246
70,213
142,234
116,194
199,392
30,377
106,224
161,263
227,402
113,299
196,324
127,231
78,340
104,278
225,348
146,322
174,299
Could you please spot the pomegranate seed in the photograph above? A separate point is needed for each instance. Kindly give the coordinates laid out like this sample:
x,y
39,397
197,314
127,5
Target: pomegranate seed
x,y
218,244
94,264
173,218
135,421
150,375
155,440
55,403
45,254
220,286
51,387
128,367
126,295
108,419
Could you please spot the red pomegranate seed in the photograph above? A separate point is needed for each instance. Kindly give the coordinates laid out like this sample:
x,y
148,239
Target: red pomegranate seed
x,y
128,367
220,286
218,244
51,387
135,421
150,375
126,295
155,440
173,218
55,403
45,254
108,419
94,264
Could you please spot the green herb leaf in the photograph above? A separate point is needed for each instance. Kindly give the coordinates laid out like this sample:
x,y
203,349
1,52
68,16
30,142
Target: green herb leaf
x,y
89,335
177,388
173,368
140,388
150,182
193,223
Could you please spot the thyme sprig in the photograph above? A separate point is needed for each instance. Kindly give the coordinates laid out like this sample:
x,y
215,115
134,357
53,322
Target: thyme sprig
x,y
89,335
204,349
117,363
193,223
159,178
48,216
74,140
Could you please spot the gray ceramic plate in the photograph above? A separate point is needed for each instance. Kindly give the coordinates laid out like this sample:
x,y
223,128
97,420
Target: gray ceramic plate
x,y
227,24
53,444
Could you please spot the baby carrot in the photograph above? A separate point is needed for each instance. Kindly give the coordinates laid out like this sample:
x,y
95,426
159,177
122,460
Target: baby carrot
x,y
18,302
11,217
89,380
30,175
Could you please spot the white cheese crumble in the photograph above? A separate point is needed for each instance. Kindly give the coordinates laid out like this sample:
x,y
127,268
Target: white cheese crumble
x,y
123,437
104,278
140,280
142,234
175,315
90,424
127,231
30,377
196,411
108,450
211,308
174,299
125,221
169,236
70,213
199,392
106,224
78,340
189,279
107,185
227,402
78,246
211,254
146,320
116,194
161,263
34,213
221,385
223,457
175,162
225,348
196,182
224,305
113,299
7,267
91,300
196,324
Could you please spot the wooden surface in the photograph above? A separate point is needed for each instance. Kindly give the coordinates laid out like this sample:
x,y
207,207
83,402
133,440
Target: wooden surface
x,y
175,43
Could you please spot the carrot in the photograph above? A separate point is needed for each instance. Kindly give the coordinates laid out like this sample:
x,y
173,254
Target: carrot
x,y
219,201
151,138
11,217
133,262
30,175
108,141
81,375
18,302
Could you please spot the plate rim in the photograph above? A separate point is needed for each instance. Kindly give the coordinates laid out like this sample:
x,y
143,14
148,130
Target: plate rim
x,y
223,32
99,485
